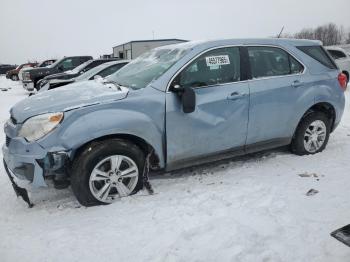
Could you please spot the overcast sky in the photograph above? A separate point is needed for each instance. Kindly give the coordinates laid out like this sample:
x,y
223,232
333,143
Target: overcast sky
x,y
40,29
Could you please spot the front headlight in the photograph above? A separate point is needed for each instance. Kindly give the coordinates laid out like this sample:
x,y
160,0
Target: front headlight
x,y
38,126
26,76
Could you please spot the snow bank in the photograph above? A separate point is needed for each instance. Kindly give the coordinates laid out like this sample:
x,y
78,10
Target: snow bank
x,y
253,208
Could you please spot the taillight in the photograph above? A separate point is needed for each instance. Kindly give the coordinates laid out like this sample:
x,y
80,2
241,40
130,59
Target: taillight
x,y
343,80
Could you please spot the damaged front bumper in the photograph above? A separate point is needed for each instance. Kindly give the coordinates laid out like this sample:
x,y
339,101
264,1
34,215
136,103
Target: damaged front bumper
x,y
30,161
21,159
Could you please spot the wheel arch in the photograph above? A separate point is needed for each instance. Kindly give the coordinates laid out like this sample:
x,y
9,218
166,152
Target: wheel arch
x,y
323,107
145,146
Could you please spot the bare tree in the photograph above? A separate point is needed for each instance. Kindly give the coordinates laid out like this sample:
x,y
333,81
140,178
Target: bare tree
x,y
329,34
307,33
347,41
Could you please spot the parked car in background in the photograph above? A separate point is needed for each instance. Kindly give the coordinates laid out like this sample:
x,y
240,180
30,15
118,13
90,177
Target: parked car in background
x,y
5,67
13,74
84,67
100,71
32,76
42,64
176,106
341,58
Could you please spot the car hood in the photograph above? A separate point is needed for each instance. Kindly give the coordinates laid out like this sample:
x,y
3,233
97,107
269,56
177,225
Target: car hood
x,y
73,96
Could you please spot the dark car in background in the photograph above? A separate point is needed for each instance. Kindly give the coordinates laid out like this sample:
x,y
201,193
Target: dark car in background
x,y
100,71
5,67
44,63
13,74
81,69
32,76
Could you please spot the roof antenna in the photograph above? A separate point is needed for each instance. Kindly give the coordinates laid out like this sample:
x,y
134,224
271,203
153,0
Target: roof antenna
x,y
279,35
153,34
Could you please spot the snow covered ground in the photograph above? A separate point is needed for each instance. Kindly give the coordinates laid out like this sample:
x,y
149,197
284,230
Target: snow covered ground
x,y
253,208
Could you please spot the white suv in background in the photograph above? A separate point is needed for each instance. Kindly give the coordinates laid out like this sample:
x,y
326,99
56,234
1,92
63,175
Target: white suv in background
x,y
341,58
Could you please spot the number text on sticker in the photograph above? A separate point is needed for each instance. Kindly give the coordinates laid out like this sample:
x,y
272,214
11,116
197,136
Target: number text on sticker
x,y
217,60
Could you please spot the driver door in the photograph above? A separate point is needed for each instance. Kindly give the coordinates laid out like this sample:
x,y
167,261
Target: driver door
x,y
220,119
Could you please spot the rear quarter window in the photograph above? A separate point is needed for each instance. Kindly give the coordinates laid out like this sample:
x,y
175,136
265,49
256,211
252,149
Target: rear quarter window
x,y
319,54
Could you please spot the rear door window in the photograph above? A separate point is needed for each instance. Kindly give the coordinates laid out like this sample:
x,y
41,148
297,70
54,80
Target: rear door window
x,y
295,66
77,61
215,67
268,61
319,54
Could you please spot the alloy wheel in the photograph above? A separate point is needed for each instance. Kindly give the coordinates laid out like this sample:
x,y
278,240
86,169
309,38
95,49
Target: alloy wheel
x,y
315,136
114,176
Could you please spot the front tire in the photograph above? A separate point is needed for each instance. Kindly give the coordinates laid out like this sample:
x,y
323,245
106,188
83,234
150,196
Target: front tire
x,y
107,170
14,78
312,134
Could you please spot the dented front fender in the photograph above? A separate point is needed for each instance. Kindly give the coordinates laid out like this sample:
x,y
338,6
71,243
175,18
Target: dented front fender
x,y
131,116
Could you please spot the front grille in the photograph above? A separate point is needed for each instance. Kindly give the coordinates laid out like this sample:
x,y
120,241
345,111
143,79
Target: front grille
x,y
8,140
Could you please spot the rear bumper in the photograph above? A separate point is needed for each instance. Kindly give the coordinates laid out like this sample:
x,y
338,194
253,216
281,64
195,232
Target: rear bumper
x,y
339,111
28,85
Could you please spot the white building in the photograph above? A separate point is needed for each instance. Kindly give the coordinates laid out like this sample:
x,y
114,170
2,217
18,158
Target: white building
x,y
133,49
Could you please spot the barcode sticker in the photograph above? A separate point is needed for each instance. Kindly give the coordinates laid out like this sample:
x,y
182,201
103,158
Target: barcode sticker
x,y
217,60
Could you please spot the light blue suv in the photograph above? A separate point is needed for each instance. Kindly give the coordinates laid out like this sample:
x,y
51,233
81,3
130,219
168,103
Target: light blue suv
x,y
173,107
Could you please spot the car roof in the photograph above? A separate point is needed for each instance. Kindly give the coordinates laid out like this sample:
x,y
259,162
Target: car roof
x,y
246,41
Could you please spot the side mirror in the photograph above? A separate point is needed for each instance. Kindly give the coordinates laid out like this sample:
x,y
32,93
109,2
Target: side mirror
x,y
188,98
60,68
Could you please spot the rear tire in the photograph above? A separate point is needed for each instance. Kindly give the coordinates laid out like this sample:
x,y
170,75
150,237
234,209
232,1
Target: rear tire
x,y
94,179
312,134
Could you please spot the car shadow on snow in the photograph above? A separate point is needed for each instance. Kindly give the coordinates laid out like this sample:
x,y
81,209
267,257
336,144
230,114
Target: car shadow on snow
x,y
224,164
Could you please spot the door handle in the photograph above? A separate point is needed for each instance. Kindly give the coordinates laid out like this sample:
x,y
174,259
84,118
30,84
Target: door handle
x,y
235,95
297,83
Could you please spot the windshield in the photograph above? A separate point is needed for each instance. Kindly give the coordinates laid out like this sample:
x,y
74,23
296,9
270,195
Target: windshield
x,y
56,63
147,67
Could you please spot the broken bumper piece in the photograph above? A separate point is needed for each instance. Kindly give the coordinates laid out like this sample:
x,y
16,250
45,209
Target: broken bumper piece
x,y
21,158
22,192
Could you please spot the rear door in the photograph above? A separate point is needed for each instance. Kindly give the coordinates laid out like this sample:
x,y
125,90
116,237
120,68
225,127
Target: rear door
x,y
220,119
275,87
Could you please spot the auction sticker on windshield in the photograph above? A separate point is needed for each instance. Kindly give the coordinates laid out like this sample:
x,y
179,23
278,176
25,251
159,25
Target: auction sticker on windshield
x,y
217,60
